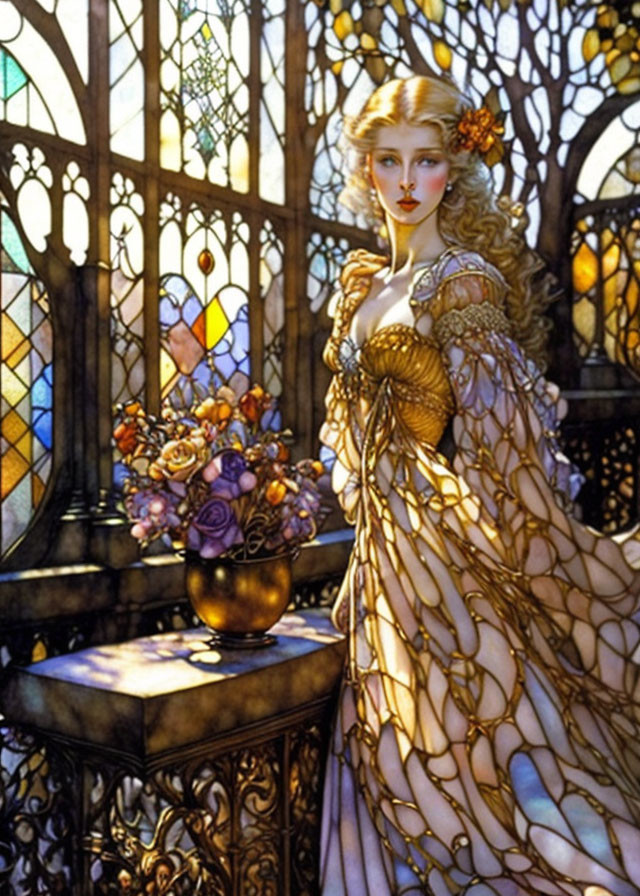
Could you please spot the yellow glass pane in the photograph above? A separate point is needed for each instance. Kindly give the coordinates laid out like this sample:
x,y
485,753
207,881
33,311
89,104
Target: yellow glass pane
x,y
343,24
13,427
12,336
24,447
611,259
443,55
38,487
39,652
433,9
584,319
13,389
19,354
12,468
168,369
216,323
631,297
633,340
585,269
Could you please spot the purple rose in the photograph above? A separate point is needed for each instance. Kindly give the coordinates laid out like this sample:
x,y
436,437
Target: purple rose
x,y
214,529
229,475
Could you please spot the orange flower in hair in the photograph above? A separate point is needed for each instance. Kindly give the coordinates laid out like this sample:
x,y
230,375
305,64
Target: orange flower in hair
x,y
479,130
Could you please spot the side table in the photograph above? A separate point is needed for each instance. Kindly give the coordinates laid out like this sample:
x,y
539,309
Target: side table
x,y
191,769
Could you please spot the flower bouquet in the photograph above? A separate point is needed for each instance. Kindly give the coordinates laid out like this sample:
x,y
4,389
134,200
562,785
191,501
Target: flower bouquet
x,y
210,477
214,479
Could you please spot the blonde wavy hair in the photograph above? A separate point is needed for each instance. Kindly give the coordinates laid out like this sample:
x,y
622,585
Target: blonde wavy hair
x,y
469,215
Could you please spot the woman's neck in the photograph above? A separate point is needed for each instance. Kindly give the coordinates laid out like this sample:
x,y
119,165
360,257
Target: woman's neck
x,y
411,245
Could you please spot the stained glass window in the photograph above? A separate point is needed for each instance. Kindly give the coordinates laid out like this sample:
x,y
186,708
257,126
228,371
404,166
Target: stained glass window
x,y
126,78
606,245
205,98
127,298
26,380
272,101
203,298
35,90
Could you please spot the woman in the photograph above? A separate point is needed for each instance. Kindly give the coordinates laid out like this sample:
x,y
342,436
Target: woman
x,y
488,733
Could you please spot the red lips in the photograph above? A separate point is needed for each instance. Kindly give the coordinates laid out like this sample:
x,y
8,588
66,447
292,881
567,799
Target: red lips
x,y
408,205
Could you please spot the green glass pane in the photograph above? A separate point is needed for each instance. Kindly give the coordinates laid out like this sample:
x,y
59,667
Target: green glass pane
x,y
12,78
12,247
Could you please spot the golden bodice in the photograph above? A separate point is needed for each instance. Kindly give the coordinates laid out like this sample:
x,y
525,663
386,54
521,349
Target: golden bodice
x,y
408,364
411,365
459,293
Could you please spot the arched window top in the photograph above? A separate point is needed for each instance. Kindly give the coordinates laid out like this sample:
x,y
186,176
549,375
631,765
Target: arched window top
x,y
34,89
605,171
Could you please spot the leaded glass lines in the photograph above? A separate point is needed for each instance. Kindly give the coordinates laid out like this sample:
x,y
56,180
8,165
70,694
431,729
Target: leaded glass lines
x,y
272,102
127,303
606,278
204,319
35,90
205,102
26,382
272,292
126,78
529,60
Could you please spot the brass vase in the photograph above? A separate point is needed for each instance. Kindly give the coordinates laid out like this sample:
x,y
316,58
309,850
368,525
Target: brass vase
x,y
239,600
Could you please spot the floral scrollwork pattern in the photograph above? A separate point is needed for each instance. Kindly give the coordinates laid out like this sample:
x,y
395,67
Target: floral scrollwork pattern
x,y
208,826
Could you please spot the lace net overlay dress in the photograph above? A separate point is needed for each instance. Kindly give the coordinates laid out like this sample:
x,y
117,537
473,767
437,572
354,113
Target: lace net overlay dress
x,y
487,739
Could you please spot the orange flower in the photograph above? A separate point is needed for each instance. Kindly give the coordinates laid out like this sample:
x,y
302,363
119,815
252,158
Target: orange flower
x,y
126,437
216,411
275,492
254,402
478,129
283,451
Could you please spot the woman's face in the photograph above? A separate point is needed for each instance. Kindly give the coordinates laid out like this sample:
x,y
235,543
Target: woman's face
x,y
409,171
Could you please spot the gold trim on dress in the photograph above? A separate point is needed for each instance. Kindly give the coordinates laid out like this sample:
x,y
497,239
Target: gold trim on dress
x,y
458,321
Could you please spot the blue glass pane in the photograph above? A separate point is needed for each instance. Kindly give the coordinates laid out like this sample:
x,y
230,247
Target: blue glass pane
x,y
12,77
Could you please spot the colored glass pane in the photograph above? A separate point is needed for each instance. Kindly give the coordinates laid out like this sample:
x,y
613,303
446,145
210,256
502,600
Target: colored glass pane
x,y
12,77
26,395
35,90
204,322
606,244
205,99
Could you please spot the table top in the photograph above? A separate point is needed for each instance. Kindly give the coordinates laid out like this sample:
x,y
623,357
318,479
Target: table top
x,y
161,693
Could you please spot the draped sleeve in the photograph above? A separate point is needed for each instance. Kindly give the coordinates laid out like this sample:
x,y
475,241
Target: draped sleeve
x,y
577,582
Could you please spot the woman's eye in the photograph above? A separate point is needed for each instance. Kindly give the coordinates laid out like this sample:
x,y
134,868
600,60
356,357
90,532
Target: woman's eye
x,y
387,161
427,161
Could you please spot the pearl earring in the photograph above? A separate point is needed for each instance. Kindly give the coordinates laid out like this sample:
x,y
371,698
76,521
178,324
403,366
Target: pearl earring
x,y
449,187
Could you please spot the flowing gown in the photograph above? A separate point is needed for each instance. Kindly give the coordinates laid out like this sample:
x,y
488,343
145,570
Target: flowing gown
x,y
487,739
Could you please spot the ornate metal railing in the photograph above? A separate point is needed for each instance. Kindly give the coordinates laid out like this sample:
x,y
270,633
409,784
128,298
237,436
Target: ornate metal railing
x,y
192,772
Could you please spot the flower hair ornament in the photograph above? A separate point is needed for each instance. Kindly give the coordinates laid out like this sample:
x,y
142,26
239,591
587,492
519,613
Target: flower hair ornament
x,y
480,130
